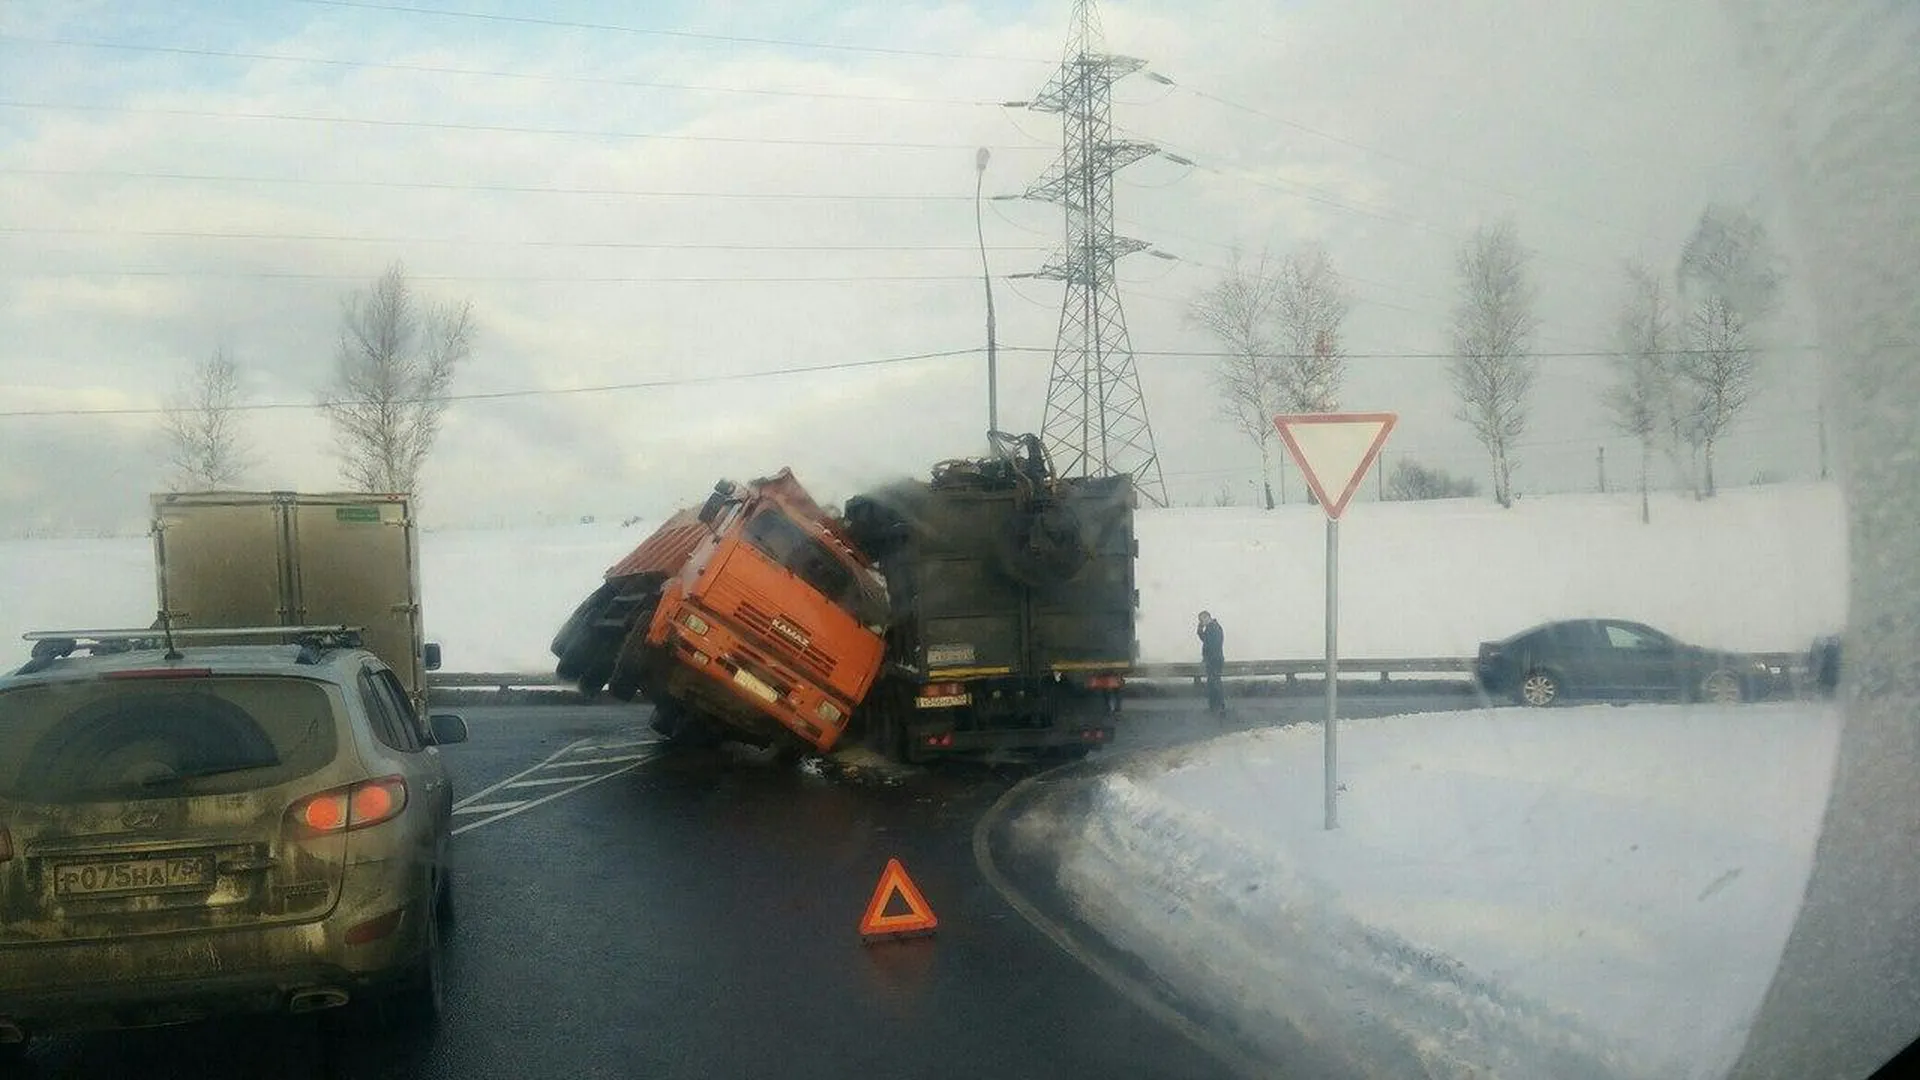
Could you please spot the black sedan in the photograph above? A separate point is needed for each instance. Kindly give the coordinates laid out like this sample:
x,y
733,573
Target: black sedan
x,y
1614,660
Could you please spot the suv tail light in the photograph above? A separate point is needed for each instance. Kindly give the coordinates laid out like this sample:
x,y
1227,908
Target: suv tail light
x,y
6,844
344,809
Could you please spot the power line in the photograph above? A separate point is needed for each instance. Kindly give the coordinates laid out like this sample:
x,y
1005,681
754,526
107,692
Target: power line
x,y
689,35
492,129
1570,354
517,279
432,69
623,245
503,395
502,189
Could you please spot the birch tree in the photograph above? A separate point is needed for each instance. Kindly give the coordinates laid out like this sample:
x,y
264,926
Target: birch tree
x,y
1640,402
1238,311
205,443
1311,313
1492,369
1730,282
393,370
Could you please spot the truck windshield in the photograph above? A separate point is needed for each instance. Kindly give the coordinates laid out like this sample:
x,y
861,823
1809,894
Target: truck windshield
x,y
783,541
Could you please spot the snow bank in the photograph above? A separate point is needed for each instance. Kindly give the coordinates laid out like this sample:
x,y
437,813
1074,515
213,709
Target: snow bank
x,y
1756,568
1592,892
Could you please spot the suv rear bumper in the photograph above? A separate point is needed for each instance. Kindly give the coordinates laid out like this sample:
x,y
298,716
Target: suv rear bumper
x,y
179,978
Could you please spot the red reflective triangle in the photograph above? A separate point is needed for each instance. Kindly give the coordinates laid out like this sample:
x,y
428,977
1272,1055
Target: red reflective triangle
x,y
919,917
1334,451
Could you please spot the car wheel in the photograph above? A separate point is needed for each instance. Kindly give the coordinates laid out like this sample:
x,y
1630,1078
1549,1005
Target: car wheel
x,y
420,1002
1539,689
1722,688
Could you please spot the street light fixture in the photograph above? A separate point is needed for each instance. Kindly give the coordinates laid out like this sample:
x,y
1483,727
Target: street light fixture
x,y
986,277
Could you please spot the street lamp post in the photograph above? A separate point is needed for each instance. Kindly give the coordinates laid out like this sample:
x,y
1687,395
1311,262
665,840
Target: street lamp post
x,y
986,277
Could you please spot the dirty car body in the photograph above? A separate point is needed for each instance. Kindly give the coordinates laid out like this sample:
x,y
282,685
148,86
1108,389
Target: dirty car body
x,y
223,829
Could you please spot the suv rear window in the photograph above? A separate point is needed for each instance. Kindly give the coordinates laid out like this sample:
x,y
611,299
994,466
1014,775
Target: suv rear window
x,y
65,742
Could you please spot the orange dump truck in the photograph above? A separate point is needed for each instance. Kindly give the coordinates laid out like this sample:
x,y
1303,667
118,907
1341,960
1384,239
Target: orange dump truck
x,y
987,611
754,612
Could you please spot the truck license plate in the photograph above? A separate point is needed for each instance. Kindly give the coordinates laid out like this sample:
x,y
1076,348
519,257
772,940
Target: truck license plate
x,y
133,875
755,686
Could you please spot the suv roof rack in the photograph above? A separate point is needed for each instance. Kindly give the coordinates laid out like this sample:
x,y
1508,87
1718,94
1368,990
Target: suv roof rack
x,y
51,645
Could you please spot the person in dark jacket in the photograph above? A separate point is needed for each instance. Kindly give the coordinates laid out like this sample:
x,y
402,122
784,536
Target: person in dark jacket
x,y
1213,656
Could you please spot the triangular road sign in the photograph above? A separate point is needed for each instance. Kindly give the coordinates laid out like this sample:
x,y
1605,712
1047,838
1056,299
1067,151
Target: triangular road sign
x,y
918,918
1334,451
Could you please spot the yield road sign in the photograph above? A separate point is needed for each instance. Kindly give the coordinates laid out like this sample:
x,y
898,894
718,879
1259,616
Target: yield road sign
x,y
1334,451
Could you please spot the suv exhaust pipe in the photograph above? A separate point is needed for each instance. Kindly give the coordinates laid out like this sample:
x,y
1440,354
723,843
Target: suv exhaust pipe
x,y
306,1001
10,1033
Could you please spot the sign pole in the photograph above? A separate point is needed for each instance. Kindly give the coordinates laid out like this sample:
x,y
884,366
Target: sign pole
x,y
1332,732
1334,452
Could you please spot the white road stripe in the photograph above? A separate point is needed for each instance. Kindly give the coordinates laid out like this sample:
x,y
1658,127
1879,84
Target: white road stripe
x,y
620,759
491,788
540,781
524,807
625,744
489,808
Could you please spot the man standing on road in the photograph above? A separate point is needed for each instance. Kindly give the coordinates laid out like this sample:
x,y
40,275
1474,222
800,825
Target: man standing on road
x,y
1213,656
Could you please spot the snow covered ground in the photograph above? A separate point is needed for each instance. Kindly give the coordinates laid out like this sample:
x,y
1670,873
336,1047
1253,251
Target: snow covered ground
x,y
1758,568
1593,892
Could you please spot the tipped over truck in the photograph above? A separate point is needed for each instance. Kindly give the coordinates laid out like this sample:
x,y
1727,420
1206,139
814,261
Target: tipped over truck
x,y
988,610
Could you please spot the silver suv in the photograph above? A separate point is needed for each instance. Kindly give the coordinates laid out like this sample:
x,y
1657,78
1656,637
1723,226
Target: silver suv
x,y
191,828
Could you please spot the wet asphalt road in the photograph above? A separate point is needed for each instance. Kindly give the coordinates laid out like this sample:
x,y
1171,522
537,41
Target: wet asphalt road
x,y
695,915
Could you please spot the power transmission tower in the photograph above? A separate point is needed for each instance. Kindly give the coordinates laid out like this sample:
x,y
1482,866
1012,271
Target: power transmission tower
x,y
1096,416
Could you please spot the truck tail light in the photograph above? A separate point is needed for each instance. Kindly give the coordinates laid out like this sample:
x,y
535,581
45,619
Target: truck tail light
x,y
943,689
942,740
1106,682
344,809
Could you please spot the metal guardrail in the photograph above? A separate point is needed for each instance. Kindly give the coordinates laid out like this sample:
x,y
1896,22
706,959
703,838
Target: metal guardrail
x,y
1789,663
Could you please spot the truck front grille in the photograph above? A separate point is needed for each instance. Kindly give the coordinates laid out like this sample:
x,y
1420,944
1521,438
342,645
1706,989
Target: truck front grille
x,y
762,624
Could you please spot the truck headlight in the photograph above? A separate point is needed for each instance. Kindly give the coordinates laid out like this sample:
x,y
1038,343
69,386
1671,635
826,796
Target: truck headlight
x,y
828,712
695,623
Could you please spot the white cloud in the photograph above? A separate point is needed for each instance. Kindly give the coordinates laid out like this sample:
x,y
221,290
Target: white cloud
x,y
1601,137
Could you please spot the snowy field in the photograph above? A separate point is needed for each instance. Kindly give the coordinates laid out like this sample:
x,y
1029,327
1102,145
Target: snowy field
x,y
1593,892
1759,569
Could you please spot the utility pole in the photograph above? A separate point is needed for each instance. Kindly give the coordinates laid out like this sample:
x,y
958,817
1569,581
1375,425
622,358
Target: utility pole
x,y
1602,460
980,159
1096,414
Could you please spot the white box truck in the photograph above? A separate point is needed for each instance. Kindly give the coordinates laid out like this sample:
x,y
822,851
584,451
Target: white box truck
x,y
282,558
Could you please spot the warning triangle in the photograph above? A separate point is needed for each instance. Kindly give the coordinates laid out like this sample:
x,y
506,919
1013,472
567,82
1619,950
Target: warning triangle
x,y
917,919
1334,451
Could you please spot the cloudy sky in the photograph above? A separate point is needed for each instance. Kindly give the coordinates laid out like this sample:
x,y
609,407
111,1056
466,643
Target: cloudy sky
x,y
692,197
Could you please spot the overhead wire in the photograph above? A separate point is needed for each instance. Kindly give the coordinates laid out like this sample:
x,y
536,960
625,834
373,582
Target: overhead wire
x,y
489,188
686,35
493,129
532,392
434,69
468,241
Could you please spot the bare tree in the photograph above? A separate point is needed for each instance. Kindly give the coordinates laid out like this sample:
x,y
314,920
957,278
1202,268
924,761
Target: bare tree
x,y
1412,481
1640,401
1493,324
394,368
1730,281
1313,303
1239,310
205,445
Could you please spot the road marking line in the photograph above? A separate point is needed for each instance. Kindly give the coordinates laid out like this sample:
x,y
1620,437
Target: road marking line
x,y
622,745
540,781
522,774
524,807
621,759
489,808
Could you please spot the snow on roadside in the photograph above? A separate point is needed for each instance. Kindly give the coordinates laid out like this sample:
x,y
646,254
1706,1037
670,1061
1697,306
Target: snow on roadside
x,y
1761,569
1592,892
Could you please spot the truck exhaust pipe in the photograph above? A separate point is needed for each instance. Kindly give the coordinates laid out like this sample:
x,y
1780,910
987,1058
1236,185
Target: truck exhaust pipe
x,y
306,1001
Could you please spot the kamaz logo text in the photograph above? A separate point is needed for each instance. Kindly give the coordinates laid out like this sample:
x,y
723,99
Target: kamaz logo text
x,y
791,632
